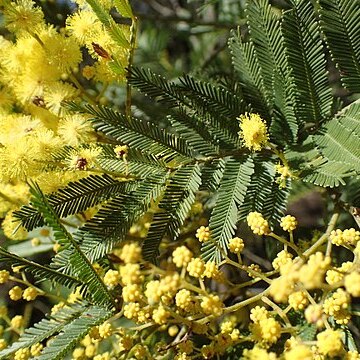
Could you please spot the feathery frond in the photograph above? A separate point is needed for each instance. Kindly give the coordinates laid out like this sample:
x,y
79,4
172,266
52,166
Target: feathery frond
x,y
248,69
93,286
306,58
216,101
137,163
175,205
40,272
46,328
111,224
74,198
211,174
156,86
268,44
231,194
340,22
73,332
139,134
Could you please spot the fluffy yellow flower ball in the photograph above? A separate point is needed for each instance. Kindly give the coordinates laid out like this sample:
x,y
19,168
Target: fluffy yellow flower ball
x,y
299,352
236,245
30,293
253,131
288,223
257,223
181,256
203,233
352,284
329,342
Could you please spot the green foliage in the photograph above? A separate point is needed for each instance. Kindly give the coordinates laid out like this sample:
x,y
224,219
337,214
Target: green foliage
x,y
75,198
339,22
173,209
306,59
92,286
73,332
112,223
231,194
40,272
46,328
280,72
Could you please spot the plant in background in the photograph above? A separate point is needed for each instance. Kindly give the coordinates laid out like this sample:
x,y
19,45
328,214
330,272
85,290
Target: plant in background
x,y
117,188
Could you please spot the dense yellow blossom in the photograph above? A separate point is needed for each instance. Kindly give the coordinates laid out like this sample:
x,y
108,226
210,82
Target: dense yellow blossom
x,y
131,293
105,330
266,330
257,223
130,253
22,354
17,322
196,267
258,353
75,129
282,259
4,276
299,352
258,313
352,283
203,233
298,300
236,245
112,278
312,274
337,306
30,293
23,16
288,223
212,305
185,301
329,342
182,256
160,315
253,131
15,293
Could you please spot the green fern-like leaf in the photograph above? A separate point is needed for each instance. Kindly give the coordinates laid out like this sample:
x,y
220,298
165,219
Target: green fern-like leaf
x,y
73,332
340,143
340,23
46,328
93,286
284,125
156,87
211,174
75,198
206,98
111,224
248,69
231,194
269,49
137,163
199,136
305,56
139,134
327,173
178,197
40,272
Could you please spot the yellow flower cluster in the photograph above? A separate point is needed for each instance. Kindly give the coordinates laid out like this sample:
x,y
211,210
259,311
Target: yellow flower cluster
x,y
257,223
288,223
348,237
40,66
236,245
203,233
253,131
